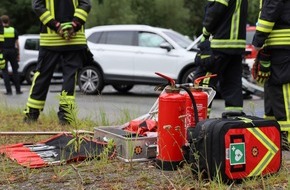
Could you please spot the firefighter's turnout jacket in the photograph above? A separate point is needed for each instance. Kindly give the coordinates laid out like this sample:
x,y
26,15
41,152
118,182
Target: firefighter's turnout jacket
x,y
225,22
50,11
273,34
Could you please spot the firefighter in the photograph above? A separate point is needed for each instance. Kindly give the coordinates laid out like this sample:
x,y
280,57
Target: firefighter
x,y
11,54
62,40
2,61
272,39
222,48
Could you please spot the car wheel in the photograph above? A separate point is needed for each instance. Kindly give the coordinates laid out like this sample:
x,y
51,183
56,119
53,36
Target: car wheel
x,y
30,71
188,76
123,88
90,80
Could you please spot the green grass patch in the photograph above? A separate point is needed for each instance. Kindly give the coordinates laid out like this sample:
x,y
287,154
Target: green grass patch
x,y
104,173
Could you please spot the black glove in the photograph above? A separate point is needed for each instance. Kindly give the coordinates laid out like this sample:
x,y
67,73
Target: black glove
x,y
54,25
76,25
205,57
261,67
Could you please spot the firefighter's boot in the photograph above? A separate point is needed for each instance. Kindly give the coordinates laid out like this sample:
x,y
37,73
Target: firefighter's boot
x,y
62,115
31,115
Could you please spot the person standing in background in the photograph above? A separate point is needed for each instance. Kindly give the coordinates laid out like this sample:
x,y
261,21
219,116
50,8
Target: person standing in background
x,y
222,48
11,54
2,60
62,40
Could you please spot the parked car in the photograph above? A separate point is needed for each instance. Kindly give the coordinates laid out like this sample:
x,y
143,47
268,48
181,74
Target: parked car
x,y
126,55
29,46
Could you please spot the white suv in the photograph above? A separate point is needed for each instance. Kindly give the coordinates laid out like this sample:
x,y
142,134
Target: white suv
x,y
125,55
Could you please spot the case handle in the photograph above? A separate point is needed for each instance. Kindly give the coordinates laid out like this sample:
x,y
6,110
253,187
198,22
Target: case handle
x,y
232,114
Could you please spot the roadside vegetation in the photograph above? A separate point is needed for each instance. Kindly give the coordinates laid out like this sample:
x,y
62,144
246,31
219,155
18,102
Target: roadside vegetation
x,y
184,16
103,172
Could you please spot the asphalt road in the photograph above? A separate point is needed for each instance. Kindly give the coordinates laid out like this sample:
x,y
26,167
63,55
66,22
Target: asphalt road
x,y
114,105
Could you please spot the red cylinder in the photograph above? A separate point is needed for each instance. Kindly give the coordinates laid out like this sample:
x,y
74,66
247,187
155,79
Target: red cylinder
x,y
201,100
171,130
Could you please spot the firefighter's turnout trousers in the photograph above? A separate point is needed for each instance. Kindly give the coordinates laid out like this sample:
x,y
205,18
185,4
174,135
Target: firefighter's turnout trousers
x,y
277,90
228,82
71,62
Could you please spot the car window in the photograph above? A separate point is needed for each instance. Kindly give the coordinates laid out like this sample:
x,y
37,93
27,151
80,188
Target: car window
x,y
94,37
117,38
181,40
32,44
147,39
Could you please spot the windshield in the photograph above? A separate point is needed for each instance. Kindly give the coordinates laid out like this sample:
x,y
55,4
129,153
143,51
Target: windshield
x,y
181,40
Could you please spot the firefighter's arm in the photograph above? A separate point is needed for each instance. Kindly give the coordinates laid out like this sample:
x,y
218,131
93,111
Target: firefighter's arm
x,y
214,12
270,12
81,14
44,15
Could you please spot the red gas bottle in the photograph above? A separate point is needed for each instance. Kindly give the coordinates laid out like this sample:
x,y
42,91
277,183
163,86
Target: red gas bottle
x,y
201,101
171,128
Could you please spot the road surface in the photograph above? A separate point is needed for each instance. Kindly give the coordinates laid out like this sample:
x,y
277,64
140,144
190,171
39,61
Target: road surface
x,y
116,106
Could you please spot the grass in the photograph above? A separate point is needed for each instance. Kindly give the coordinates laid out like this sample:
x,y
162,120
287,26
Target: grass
x,y
105,173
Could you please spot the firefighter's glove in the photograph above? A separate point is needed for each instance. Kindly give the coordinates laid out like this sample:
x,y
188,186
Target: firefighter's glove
x,y
76,25
261,68
205,57
66,30
2,61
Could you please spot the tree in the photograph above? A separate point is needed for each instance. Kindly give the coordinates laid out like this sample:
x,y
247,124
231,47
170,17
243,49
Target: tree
x,y
170,14
196,11
184,16
253,12
21,15
111,12
143,9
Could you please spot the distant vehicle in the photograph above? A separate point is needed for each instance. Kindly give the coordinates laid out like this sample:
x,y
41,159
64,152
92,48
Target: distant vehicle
x,y
251,53
126,55
29,46
249,85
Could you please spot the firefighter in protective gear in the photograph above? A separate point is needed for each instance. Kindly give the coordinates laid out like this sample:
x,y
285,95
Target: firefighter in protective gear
x,y
273,35
11,54
224,30
62,40
2,61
